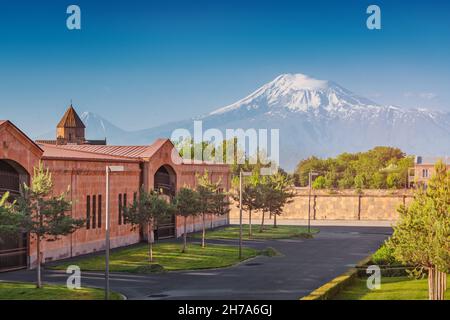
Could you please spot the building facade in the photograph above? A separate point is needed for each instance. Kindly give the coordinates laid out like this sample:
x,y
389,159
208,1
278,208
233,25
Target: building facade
x,y
424,168
80,167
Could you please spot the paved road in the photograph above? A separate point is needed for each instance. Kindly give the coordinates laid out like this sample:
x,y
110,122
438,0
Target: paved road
x,y
304,266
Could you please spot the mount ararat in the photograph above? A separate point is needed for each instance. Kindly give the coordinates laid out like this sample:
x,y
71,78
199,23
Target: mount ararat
x,y
315,117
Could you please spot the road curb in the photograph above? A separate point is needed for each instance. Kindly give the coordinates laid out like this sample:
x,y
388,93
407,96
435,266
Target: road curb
x,y
333,287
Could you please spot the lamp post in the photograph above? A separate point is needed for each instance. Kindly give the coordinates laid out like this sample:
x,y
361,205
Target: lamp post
x,y
241,174
311,174
108,170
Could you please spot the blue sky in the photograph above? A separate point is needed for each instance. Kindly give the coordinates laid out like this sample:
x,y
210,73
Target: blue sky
x,y
144,63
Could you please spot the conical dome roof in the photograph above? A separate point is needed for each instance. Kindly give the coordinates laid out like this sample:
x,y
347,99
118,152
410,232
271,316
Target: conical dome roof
x,y
70,119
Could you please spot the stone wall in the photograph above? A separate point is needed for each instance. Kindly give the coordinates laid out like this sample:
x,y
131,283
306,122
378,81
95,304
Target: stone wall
x,y
378,205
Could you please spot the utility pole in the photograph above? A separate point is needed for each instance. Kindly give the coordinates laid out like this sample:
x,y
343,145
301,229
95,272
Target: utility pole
x,y
241,174
109,169
310,175
240,214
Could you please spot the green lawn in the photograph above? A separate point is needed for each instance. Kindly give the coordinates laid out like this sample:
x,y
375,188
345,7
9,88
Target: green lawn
x,y
392,288
281,232
166,254
28,291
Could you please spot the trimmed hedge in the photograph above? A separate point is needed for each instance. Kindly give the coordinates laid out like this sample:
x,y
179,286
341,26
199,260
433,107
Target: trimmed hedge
x,y
330,289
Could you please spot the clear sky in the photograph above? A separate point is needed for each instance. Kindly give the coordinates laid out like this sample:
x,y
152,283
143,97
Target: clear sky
x,y
144,63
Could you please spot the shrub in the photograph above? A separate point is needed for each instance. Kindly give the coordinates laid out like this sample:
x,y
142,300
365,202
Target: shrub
x,y
384,256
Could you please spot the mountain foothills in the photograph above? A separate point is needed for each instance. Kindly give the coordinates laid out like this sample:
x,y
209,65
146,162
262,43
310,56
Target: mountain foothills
x,y
315,117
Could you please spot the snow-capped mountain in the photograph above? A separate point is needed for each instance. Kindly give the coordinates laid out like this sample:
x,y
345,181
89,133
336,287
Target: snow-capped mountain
x,y
315,117
99,128
298,93
321,118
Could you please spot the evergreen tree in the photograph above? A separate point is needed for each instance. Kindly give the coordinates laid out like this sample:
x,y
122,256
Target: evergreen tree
x,y
44,215
207,192
145,211
186,204
422,235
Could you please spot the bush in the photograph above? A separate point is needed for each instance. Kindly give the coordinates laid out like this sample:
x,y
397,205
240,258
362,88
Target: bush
x,y
319,183
384,256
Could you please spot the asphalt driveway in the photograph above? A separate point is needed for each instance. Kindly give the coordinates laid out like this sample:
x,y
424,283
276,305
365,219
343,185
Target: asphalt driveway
x,y
303,266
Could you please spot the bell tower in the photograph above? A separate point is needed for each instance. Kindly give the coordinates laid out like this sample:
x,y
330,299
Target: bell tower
x,y
70,130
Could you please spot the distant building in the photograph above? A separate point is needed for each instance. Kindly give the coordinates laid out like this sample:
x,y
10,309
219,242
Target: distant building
x,y
424,168
81,164
71,130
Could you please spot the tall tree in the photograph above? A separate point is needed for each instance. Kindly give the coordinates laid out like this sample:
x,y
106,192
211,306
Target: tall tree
x,y
207,193
251,198
186,204
358,170
144,211
422,235
220,203
275,194
45,216
281,185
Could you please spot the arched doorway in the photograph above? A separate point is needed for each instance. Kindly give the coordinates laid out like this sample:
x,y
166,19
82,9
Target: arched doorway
x,y
165,181
13,248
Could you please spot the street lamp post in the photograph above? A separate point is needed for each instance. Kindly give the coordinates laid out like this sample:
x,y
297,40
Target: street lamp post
x,y
108,170
311,174
241,174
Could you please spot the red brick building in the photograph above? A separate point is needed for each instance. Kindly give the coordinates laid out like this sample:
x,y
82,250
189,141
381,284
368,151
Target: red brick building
x,y
80,164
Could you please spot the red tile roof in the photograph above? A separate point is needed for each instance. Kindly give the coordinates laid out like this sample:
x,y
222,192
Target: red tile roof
x,y
58,152
119,151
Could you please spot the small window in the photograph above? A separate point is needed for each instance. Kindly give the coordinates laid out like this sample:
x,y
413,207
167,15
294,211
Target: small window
x,y
425,173
88,212
94,211
99,212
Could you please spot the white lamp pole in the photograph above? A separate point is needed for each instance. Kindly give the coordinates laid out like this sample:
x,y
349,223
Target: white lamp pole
x,y
241,174
108,170
311,174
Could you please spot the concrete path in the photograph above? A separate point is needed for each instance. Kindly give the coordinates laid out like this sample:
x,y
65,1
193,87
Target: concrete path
x,y
304,266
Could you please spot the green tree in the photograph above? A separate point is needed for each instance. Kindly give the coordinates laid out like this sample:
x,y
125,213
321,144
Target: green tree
x,y
281,184
359,182
186,204
422,235
45,216
393,180
275,194
319,183
220,203
348,180
251,196
11,221
207,192
342,170
144,211
378,181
